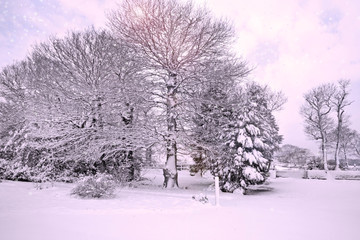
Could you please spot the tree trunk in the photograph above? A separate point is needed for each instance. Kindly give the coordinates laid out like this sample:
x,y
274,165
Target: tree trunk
x,y
346,160
337,160
127,117
132,167
323,149
148,155
96,120
170,170
338,131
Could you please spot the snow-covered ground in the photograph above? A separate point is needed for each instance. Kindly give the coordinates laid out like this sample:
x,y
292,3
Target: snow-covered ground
x,y
284,209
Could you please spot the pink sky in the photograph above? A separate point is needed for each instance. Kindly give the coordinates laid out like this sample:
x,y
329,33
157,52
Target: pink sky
x,y
293,45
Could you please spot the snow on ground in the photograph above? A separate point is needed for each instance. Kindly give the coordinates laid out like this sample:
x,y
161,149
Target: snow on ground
x,y
284,209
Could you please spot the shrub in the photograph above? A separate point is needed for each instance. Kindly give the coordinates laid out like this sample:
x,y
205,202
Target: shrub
x,y
97,186
201,198
3,167
15,171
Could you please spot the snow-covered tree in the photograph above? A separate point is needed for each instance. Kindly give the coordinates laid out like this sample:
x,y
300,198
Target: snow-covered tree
x,y
201,164
356,144
180,45
316,112
240,134
340,101
293,155
14,102
87,112
213,113
82,105
347,143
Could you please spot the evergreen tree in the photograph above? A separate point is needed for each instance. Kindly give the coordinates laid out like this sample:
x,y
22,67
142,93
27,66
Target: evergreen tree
x,y
239,133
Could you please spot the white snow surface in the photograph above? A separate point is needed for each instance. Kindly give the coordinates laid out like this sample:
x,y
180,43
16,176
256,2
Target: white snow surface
x,y
283,209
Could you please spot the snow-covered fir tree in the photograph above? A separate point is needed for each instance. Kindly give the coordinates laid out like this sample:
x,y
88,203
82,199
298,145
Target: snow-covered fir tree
x,y
239,133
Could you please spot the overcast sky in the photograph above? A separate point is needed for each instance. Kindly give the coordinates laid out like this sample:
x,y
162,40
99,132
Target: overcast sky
x,y
293,45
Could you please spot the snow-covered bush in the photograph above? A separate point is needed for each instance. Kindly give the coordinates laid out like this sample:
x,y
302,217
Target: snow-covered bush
x,y
3,166
314,163
201,198
97,186
15,171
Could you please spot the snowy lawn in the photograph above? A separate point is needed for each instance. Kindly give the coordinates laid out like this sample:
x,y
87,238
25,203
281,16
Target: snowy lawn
x,y
284,209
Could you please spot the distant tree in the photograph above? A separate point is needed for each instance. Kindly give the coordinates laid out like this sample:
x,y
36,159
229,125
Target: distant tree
x,y
339,101
347,143
275,100
316,112
356,144
315,162
181,45
293,155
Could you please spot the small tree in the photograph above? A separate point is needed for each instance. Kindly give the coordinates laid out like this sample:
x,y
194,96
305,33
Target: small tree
x,y
316,112
200,162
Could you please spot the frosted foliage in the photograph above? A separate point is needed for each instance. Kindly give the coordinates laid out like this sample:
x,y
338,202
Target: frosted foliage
x,y
248,143
241,139
252,174
258,143
249,157
253,130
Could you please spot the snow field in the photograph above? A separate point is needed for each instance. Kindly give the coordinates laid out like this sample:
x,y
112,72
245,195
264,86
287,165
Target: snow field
x,y
284,209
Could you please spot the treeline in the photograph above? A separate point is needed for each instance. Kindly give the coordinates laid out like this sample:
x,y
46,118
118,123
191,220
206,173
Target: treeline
x,y
326,120
164,73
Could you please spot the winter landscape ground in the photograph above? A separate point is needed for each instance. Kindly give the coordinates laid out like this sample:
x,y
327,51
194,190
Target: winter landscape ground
x,y
282,209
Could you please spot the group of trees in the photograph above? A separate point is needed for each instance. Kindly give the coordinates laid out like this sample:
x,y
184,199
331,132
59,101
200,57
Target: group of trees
x,y
294,156
69,107
97,100
325,117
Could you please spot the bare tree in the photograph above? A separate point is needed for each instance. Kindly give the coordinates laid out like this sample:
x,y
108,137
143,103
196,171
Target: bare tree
x,y
276,100
180,44
347,143
356,144
316,112
340,101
